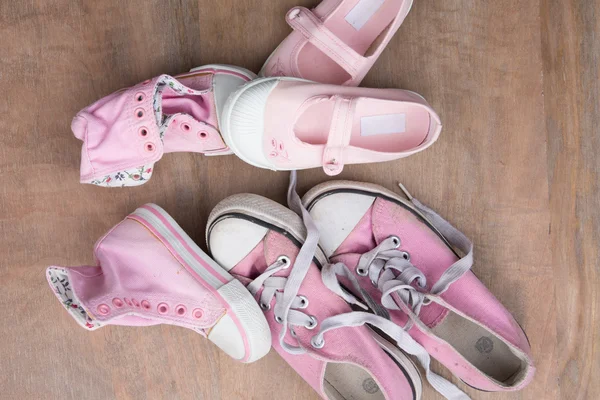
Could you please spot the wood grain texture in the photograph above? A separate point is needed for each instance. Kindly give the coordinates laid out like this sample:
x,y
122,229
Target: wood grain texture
x,y
516,85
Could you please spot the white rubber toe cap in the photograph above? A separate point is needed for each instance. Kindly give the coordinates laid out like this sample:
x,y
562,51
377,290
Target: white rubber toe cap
x,y
336,216
243,121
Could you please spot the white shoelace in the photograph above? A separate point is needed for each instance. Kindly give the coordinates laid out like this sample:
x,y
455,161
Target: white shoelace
x,y
289,302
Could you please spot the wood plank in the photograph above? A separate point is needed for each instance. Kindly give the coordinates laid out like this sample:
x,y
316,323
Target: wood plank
x,y
514,82
572,104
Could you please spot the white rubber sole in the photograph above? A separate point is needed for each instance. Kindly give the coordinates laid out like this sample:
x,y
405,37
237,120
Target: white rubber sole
x,y
244,320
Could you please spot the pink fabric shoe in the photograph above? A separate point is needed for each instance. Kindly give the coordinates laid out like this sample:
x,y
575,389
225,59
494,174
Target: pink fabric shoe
x,y
263,244
400,254
125,133
337,42
289,124
150,272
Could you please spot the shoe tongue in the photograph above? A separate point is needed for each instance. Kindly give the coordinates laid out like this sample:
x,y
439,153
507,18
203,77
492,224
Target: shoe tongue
x,y
186,115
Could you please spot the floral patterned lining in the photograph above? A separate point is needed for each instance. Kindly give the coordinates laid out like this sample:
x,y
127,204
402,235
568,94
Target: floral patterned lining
x,y
62,287
128,177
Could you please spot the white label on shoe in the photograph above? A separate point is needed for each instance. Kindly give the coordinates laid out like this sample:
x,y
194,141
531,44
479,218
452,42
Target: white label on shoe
x,y
362,12
383,124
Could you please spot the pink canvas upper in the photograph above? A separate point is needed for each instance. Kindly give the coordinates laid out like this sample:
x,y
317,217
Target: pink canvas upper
x,y
136,282
467,296
126,132
338,41
348,345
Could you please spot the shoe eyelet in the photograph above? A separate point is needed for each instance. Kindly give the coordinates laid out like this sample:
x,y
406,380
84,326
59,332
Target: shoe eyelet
x,y
127,301
185,126
361,271
180,309
265,307
139,113
140,97
313,323
146,305
278,319
143,131
162,308
316,344
103,309
117,302
303,301
285,260
197,313
149,147
135,303
406,256
202,135
395,240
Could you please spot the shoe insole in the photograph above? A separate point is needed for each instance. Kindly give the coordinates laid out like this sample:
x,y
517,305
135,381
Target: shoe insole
x,y
315,65
480,347
350,382
379,125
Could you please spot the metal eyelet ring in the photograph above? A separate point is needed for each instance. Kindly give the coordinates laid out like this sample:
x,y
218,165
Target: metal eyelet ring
x,y
139,113
140,97
292,332
395,240
361,271
317,345
278,319
303,301
285,260
265,307
406,256
313,323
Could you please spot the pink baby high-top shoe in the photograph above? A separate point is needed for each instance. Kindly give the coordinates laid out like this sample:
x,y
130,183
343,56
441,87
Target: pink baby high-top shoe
x,y
266,246
126,132
289,124
403,258
149,272
338,41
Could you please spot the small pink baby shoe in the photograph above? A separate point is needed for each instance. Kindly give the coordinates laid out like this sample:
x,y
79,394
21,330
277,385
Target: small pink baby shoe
x,y
125,133
402,256
266,247
150,272
338,41
290,124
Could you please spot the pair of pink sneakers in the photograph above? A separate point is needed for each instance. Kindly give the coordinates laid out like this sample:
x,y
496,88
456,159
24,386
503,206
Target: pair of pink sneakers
x,y
388,277
274,122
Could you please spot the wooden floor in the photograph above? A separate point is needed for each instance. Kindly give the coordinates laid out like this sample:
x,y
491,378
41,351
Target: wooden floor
x,y
516,84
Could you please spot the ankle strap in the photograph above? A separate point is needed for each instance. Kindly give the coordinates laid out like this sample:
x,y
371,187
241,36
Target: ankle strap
x,y
340,134
312,28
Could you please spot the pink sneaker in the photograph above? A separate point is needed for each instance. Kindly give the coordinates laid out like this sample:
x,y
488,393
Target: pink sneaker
x,y
150,272
289,124
263,244
337,42
125,133
401,255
